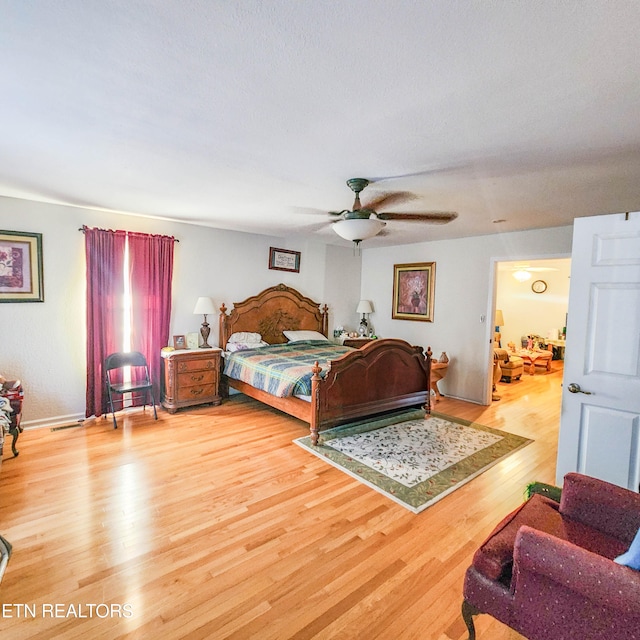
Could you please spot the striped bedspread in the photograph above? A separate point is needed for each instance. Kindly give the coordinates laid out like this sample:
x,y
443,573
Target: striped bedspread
x,y
282,369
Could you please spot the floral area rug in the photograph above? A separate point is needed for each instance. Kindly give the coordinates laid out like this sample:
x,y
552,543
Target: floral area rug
x,y
414,459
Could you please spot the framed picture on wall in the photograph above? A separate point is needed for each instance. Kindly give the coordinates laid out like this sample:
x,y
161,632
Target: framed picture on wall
x,y
21,271
284,260
413,291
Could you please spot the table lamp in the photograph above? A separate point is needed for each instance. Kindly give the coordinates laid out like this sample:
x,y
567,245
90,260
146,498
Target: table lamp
x,y
499,323
204,306
364,307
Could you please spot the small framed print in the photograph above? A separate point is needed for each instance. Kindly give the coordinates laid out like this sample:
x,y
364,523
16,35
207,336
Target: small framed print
x,y
21,271
179,342
192,340
284,260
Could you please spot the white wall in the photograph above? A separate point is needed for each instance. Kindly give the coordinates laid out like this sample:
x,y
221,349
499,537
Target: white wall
x,y
342,287
44,343
465,283
526,312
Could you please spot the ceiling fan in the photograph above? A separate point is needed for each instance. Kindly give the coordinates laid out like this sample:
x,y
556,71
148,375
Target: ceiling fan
x,y
362,222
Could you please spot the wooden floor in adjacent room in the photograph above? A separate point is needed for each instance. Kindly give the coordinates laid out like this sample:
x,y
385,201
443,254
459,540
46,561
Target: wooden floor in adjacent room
x,y
211,523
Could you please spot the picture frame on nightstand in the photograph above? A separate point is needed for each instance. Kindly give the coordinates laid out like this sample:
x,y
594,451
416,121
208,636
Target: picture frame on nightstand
x,y
179,342
192,340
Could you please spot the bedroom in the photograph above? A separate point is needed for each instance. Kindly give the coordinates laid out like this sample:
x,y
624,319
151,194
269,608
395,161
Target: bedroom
x,y
52,334
229,126
47,351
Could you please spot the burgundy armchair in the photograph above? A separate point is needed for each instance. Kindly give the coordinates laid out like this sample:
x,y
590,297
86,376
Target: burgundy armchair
x,y
547,569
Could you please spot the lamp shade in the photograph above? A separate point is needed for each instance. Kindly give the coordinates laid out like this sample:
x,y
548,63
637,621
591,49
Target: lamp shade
x,y
357,229
204,306
499,318
364,306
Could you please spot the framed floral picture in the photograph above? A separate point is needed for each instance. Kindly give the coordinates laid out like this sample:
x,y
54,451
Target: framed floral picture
x,y
21,271
413,291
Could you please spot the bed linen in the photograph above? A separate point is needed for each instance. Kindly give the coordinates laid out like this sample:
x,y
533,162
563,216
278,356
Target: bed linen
x,y
282,369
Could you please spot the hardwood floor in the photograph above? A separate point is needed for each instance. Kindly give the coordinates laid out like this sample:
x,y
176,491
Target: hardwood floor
x,y
211,523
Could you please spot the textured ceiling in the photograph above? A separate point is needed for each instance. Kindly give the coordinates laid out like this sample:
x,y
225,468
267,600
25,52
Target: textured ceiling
x,y
250,115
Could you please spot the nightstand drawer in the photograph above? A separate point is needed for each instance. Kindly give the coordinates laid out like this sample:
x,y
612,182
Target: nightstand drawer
x,y
356,342
196,392
198,364
196,377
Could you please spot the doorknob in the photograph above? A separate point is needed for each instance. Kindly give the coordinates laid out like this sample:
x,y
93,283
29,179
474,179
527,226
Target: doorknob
x,y
575,388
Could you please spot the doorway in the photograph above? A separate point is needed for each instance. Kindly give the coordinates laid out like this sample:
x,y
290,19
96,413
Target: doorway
x,y
533,297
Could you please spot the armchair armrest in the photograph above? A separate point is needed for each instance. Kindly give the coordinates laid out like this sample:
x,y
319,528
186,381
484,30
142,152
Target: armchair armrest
x,y
601,505
593,577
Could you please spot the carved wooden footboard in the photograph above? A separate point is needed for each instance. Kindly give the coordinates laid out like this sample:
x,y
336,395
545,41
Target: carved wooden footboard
x,y
385,375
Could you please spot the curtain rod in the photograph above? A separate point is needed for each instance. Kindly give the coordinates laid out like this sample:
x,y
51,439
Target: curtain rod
x,y
150,234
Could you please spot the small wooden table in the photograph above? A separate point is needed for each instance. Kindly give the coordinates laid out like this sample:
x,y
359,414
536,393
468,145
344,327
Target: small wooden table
x,y
533,358
438,372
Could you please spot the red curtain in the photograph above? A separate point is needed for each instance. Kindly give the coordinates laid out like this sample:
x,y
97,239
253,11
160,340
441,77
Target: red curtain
x,y
105,267
151,268
150,276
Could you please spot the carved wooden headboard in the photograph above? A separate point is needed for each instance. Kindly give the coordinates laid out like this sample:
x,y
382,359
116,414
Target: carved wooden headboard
x,y
271,312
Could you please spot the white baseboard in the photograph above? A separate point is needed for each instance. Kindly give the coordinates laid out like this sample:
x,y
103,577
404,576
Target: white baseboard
x,y
53,421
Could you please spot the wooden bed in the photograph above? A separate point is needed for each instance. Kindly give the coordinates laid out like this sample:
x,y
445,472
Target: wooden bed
x,y
383,376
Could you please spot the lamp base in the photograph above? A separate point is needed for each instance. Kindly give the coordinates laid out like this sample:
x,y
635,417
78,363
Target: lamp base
x,y
204,332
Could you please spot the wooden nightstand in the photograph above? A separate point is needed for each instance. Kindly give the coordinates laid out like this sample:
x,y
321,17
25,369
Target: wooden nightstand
x,y
190,377
356,342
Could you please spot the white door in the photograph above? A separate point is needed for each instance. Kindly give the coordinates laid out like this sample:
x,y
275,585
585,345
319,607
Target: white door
x,y
600,418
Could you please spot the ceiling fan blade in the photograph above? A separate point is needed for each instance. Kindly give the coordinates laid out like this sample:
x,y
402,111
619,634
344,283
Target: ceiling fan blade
x,y
390,199
315,228
434,217
307,211
443,168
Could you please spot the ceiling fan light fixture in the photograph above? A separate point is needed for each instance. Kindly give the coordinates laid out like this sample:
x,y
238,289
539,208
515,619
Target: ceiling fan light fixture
x,y
358,229
521,275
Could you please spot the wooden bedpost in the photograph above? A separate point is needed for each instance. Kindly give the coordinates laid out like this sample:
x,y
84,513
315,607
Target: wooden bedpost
x,y
315,403
324,312
222,327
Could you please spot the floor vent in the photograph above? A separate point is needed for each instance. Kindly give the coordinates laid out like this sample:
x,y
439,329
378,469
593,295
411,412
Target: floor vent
x,y
67,426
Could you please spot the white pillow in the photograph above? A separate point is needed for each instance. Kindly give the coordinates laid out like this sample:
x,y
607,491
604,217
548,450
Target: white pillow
x,y
298,336
245,336
243,346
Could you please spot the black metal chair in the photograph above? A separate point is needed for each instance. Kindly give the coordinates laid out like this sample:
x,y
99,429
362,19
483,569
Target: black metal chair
x,y
136,382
